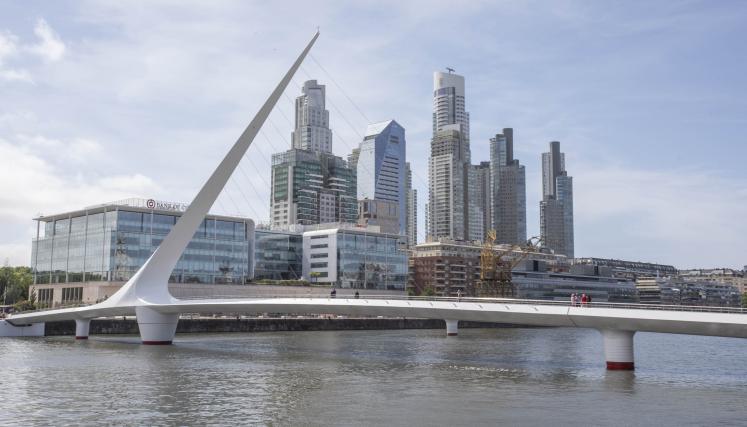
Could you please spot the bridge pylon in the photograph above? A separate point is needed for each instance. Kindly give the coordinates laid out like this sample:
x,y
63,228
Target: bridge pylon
x,y
149,285
618,349
81,328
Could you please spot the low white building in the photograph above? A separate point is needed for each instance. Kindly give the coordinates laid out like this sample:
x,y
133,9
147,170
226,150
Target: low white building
x,y
353,257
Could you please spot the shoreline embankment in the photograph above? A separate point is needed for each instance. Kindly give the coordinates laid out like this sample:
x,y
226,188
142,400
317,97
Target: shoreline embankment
x,y
128,326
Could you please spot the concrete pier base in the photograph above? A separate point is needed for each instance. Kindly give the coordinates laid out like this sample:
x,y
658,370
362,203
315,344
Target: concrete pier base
x,y
156,328
8,329
618,349
452,328
81,328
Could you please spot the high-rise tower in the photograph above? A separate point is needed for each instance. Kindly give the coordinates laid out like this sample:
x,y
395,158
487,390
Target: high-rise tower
x,y
449,103
380,165
411,208
312,130
310,185
508,191
556,207
450,209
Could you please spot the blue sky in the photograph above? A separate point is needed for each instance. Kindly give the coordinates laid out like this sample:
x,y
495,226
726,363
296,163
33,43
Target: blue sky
x,y
101,101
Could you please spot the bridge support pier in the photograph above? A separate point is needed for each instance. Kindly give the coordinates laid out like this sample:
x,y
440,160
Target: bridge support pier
x,y
452,328
81,328
156,328
618,349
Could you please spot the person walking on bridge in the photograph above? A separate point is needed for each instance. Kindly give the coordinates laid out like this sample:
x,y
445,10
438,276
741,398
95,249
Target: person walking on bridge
x,y
333,294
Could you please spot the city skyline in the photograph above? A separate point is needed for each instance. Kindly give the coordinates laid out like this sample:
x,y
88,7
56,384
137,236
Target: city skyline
x,y
61,158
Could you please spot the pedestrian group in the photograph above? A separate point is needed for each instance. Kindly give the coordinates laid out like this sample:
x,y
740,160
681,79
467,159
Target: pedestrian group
x,y
580,300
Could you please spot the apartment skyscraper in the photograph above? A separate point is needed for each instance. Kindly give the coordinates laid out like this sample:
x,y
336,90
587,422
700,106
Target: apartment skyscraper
x,y
556,207
450,208
449,103
448,187
508,190
312,130
310,185
411,208
484,195
380,166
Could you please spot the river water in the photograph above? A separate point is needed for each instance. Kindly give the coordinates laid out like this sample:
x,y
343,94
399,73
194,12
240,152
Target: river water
x,y
404,377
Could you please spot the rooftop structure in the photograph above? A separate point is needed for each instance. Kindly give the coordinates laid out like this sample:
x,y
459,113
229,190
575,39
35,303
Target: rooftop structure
x,y
629,269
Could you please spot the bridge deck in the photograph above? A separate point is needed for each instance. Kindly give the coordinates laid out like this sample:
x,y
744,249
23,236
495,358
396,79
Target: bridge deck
x,y
715,321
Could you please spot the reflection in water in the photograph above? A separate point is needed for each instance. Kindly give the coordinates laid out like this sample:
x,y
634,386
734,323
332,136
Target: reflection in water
x,y
413,377
620,381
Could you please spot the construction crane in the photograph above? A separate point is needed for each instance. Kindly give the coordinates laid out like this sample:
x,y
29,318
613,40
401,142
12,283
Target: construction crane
x,y
496,266
450,70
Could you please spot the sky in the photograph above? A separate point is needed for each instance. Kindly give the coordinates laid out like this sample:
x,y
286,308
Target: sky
x,y
101,101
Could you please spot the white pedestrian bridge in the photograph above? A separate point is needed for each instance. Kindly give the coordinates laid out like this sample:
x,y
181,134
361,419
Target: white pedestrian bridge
x,y
617,322
146,294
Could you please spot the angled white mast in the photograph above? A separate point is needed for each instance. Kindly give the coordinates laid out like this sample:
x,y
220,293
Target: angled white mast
x,y
150,282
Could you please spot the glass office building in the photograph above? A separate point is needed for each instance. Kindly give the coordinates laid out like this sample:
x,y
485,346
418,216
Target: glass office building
x,y
368,261
349,256
277,255
310,187
107,244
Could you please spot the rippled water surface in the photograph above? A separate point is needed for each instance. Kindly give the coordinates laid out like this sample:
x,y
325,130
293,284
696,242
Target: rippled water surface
x,y
409,377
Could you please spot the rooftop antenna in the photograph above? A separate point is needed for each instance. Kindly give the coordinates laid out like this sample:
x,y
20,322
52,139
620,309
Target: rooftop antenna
x,y
450,70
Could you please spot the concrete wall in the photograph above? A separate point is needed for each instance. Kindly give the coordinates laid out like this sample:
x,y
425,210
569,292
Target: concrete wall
x,y
33,330
129,326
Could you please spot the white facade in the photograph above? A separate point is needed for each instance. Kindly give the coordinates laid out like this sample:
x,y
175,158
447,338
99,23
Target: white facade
x,y
320,256
354,257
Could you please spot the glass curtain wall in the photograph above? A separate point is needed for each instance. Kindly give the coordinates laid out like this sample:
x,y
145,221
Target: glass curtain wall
x,y
112,246
370,262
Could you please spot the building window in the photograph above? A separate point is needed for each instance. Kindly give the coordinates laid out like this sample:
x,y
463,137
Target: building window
x,y
323,236
72,295
319,246
318,265
44,298
322,255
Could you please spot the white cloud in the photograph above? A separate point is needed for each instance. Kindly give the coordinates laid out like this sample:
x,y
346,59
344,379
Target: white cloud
x,y
16,75
689,218
30,185
8,45
50,46
8,49
75,150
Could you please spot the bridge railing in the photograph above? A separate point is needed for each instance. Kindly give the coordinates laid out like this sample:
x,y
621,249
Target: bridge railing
x,y
485,300
481,300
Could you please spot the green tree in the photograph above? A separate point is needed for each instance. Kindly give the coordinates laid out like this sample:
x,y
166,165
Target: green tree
x,y
24,305
14,284
429,292
744,300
